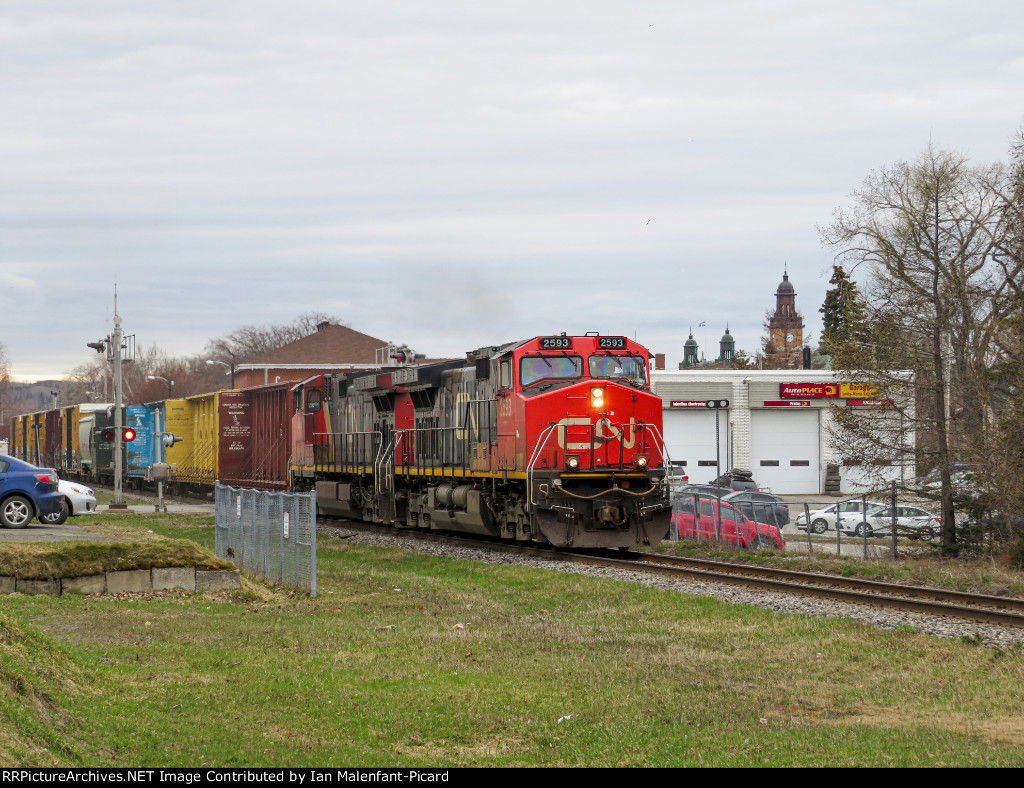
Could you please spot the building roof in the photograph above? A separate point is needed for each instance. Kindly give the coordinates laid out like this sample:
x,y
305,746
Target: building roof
x,y
330,344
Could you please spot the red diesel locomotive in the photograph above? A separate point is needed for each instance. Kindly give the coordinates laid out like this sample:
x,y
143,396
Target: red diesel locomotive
x,y
553,440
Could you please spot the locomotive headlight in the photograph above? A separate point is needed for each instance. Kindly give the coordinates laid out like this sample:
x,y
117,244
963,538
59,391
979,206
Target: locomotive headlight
x,y
597,397
640,462
572,463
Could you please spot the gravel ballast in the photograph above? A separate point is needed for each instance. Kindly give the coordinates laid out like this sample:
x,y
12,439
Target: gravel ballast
x,y
989,635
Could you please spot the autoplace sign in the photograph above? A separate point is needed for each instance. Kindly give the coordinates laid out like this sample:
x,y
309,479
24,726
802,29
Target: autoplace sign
x,y
827,391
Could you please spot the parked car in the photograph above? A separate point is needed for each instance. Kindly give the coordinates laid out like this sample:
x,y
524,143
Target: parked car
x,y
703,490
26,492
824,519
719,521
761,506
737,481
677,470
994,524
911,521
78,500
961,479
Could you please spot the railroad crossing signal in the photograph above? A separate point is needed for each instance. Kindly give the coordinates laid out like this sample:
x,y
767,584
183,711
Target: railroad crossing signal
x,y
169,440
127,434
716,404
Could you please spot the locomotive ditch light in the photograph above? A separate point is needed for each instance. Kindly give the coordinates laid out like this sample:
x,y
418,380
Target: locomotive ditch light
x,y
640,462
572,463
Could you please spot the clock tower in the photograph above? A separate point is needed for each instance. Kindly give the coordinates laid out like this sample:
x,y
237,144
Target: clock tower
x,y
786,326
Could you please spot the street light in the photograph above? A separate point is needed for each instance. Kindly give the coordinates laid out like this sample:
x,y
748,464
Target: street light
x,y
210,362
170,383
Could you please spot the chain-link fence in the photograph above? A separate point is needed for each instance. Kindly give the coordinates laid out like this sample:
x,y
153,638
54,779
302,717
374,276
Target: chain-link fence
x,y
271,534
866,526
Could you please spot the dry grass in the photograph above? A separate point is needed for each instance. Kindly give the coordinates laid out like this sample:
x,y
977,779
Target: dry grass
x,y
46,561
549,670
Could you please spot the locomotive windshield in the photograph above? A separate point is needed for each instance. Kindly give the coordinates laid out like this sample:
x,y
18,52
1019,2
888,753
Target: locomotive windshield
x,y
536,368
617,367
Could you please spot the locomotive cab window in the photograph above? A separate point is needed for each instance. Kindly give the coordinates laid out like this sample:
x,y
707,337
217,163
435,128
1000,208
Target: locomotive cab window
x,y
533,369
618,367
314,398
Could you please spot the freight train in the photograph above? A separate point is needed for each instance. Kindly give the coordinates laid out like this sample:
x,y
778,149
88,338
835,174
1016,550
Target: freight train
x,y
553,440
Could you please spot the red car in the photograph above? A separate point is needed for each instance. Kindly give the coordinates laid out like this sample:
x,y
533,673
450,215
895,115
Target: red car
x,y
720,521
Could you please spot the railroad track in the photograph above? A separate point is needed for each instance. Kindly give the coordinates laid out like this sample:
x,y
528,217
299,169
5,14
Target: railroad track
x,y
1004,611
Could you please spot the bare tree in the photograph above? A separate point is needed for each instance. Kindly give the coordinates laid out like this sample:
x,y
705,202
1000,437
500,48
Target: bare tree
x,y
928,233
251,341
5,379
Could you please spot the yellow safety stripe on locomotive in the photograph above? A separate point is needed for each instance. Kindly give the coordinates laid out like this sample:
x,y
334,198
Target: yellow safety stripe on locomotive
x,y
368,471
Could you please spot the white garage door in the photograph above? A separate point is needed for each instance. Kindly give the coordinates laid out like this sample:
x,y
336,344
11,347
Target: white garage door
x,y
785,450
690,436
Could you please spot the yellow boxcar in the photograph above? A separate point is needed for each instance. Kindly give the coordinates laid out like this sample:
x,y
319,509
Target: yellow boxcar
x,y
194,419
28,437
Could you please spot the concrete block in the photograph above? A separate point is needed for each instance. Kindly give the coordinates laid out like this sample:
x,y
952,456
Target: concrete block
x,y
93,584
174,577
212,580
7,585
47,587
131,581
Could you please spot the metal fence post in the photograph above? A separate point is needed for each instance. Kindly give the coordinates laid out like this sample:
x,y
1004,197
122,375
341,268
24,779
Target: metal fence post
x,y
839,533
312,533
864,521
894,554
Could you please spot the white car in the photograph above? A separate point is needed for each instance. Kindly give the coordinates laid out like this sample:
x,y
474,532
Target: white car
x,y
78,499
824,519
911,521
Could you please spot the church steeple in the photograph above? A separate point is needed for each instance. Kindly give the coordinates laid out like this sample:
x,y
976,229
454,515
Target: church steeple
x,y
726,346
786,325
689,352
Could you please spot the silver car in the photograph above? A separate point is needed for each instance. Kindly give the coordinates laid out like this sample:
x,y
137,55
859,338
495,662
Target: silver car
x,y
824,519
911,521
78,500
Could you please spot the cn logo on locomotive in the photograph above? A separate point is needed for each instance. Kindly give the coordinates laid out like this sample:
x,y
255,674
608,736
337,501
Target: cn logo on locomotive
x,y
604,432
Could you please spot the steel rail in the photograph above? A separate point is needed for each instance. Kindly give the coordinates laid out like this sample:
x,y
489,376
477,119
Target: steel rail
x,y
888,595
813,578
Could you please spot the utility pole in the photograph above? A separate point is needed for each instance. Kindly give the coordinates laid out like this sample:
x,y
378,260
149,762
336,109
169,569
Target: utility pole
x,y
118,502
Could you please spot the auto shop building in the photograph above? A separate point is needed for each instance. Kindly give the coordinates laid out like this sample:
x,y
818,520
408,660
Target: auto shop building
x,y
774,422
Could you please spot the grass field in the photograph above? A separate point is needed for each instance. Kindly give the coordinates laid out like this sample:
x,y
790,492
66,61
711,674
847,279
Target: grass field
x,y
547,669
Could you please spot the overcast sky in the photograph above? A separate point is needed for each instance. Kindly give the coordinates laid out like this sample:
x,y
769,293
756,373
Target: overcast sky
x,y
455,174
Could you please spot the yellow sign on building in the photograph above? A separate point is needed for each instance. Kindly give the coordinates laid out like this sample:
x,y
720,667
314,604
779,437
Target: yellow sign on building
x,y
857,391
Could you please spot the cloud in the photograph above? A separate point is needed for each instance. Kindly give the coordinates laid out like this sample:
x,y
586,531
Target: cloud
x,y
455,174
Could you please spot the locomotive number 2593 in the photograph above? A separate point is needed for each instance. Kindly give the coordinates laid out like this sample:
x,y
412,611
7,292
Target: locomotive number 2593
x,y
612,343
555,343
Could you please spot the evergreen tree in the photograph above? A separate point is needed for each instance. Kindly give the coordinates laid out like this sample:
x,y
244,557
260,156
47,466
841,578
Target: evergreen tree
x,y
843,313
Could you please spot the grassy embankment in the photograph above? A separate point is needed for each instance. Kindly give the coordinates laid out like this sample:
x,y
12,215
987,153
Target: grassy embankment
x,y
547,669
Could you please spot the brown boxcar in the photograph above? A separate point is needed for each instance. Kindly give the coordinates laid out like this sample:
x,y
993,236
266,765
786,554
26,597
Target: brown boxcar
x,y
254,437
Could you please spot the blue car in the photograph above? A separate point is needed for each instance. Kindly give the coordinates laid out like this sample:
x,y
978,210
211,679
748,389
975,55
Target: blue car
x,y
26,492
